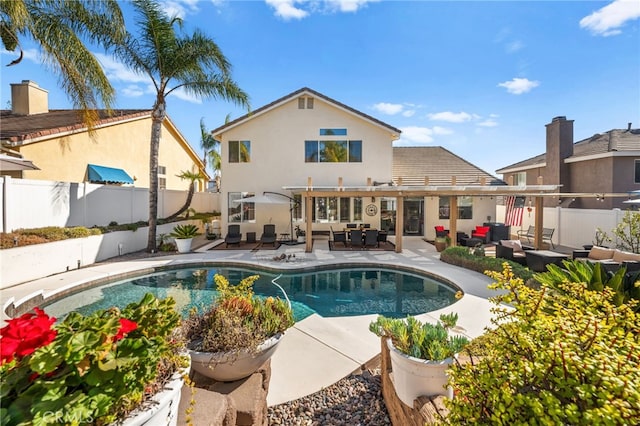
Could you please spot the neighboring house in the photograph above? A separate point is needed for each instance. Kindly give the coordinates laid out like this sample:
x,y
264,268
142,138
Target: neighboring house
x,y
58,143
302,136
593,169
306,139
436,166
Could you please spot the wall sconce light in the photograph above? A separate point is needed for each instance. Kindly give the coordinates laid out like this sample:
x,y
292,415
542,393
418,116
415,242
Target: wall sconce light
x,y
373,199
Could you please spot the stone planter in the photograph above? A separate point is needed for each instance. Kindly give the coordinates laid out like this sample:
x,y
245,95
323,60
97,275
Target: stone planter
x,y
162,409
183,244
440,245
230,366
414,377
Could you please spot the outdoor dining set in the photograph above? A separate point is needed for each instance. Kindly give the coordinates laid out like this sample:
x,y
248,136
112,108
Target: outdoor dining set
x,y
362,236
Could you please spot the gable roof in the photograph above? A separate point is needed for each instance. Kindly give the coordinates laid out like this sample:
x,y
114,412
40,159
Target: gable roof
x,y
413,164
616,140
304,91
18,129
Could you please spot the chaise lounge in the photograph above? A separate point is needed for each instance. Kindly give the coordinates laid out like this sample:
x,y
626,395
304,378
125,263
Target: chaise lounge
x,y
269,235
234,236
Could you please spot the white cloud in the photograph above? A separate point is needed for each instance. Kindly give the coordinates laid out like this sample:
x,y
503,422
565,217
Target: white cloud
x,y
437,130
518,86
387,108
608,20
299,9
181,94
286,9
488,123
117,71
32,55
133,91
409,113
179,8
514,46
451,117
415,134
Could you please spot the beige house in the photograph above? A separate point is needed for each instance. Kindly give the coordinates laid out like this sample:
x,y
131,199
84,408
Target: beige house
x,y
302,137
58,143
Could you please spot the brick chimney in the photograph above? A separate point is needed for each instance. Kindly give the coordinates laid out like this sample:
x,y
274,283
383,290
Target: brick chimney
x,y
28,98
559,147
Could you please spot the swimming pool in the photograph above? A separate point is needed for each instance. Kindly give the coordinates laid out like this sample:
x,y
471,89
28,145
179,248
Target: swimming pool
x,y
340,291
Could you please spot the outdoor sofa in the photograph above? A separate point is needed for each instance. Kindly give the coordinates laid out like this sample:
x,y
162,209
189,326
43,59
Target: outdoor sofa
x,y
610,258
512,250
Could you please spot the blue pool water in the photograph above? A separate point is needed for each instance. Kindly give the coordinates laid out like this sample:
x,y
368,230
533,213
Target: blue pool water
x,y
329,293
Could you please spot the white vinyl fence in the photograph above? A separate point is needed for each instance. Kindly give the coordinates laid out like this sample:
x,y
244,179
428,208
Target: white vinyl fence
x,y
37,203
573,227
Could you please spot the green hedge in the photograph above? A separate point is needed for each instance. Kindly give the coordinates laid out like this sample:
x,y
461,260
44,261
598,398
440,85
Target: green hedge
x,y
462,257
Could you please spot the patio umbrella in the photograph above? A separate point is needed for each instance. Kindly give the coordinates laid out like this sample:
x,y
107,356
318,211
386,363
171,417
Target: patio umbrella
x,y
273,198
12,164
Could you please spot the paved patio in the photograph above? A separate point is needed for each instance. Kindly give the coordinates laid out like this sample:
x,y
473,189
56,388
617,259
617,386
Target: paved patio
x,y
317,351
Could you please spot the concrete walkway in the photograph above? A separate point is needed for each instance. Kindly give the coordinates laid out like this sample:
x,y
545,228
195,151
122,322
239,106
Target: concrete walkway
x,y
317,351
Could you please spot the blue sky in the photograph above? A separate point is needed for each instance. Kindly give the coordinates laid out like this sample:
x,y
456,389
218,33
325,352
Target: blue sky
x,y
479,78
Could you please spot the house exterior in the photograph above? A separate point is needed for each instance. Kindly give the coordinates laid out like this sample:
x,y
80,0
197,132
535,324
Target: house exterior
x,y
599,171
303,137
435,166
308,140
59,144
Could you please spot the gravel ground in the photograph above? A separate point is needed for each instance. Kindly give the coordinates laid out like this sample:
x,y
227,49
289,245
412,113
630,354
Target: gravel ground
x,y
355,400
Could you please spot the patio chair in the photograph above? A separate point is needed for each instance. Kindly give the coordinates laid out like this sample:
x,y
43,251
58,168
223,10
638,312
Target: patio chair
x,y
356,238
234,236
371,238
269,235
440,231
340,236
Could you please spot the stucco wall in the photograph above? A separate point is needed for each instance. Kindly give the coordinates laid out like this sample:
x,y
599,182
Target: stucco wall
x,y
124,145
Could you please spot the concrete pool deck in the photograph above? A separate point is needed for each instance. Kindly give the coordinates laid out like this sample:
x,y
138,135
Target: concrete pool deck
x,y
317,351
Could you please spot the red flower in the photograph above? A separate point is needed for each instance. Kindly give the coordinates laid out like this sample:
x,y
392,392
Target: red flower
x,y
23,335
126,326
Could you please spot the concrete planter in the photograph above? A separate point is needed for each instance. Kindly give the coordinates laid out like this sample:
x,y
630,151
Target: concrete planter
x,y
414,377
183,244
230,366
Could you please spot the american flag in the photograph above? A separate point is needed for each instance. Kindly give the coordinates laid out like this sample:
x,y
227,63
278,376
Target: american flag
x,y
515,208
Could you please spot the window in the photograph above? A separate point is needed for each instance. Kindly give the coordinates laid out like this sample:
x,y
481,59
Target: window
x,y
309,103
520,179
162,170
333,151
239,211
162,183
333,132
297,207
239,151
637,179
465,207
334,209
301,103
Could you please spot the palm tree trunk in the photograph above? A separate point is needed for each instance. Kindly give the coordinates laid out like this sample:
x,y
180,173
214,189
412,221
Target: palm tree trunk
x,y
185,206
158,116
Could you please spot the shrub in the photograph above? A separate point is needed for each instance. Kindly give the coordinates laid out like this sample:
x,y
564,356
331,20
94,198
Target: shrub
x,y
628,232
461,256
570,357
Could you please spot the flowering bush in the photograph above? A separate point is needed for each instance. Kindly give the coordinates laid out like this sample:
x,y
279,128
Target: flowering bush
x,y
87,369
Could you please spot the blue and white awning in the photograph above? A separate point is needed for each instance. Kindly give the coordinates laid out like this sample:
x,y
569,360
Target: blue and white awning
x,y
102,174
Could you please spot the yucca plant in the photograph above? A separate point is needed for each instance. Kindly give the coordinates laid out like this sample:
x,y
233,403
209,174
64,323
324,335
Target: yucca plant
x,y
184,231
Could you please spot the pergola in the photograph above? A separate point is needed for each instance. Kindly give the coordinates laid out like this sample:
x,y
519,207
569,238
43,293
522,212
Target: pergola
x,y
537,192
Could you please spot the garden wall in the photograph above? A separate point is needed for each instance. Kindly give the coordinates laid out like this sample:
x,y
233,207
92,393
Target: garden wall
x,y
29,203
22,264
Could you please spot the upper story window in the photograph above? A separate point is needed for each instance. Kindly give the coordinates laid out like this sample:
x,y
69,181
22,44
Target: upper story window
x,y
520,179
333,132
637,174
162,180
304,102
239,151
333,151
162,170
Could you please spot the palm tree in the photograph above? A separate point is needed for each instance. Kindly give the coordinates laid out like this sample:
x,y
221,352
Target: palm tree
x,y
59,28
192,177
173,61
210,148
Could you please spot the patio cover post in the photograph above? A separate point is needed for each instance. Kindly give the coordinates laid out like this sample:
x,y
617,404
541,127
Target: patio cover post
x,y
453,218
399,221
308,218
538,222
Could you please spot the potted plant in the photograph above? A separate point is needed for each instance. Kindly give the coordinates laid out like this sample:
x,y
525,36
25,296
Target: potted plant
x,y
442,243
111,366
184,235
420,354
238,333
300,234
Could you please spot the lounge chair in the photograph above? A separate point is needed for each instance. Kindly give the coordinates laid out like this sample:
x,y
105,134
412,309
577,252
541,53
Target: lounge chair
x,y
234,236
340,236
269,235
